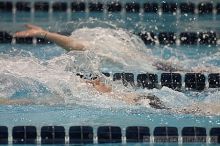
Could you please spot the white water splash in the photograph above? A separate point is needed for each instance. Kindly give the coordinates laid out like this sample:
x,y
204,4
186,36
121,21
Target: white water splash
x,y
117,50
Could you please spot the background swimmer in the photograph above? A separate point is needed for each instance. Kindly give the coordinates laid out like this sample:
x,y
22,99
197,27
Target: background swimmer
x,y
135,99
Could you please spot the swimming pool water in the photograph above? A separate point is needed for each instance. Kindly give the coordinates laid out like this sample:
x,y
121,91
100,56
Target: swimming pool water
x,y
99,111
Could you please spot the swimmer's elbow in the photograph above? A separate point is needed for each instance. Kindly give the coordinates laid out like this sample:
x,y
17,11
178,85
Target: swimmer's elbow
x,y
79,46
74,46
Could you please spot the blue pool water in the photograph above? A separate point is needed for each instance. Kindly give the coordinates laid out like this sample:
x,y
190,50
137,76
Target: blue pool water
x,y
45,73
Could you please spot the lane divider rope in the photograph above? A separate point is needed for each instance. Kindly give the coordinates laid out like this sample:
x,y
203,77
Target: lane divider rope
x,y
149,38
130,7
107,134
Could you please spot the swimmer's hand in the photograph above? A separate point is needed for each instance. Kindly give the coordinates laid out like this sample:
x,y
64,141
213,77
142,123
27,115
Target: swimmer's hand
x,y
32,31
99,86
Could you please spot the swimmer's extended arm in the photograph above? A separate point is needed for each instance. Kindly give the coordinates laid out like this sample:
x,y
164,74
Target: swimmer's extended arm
x,y
68,43
15,101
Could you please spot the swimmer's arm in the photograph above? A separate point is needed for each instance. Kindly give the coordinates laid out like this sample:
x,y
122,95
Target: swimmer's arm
x,y
4,101
68,43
